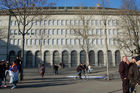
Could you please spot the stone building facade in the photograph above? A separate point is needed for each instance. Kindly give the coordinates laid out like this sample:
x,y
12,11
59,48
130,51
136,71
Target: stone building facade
x,y
59,43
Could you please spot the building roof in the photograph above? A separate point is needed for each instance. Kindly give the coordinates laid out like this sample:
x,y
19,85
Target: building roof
x,y
71,11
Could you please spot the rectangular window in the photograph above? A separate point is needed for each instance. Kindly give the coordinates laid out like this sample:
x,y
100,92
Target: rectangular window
x,y
15,32
114,22
62,22
62,31
49,31
89,32
109,22
109,31
44,42
57,42
49,41
66,42
66,22
15,23
40,42
96,22
101,31
97,32
110,41
36,32
11,41
35,41
93,41
52,41
11,32
71,43
31,42
55,22
53,32
45,22
32,32
15,42
62,41
58,22
19,42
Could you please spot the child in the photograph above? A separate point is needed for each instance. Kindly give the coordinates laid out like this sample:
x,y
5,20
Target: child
x,y
14,69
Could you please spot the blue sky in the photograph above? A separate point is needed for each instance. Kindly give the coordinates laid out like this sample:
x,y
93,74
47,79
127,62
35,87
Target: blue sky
x,y
111,4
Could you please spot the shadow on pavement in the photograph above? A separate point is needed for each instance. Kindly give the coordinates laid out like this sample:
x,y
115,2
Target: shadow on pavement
x,y
44,82
115,91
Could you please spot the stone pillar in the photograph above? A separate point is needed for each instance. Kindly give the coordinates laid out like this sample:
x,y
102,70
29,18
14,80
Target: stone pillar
x,y
69,60
33,59
96,58
51,58
78,58
113,58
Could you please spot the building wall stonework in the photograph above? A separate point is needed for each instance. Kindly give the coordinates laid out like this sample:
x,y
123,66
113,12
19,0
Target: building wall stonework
x,y
60,38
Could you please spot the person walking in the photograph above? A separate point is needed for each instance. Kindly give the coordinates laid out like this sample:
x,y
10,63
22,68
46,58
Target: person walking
x,y
132,75
18,62
138,74
79,70
14,69
6,66
2,70
42,70
55,67
89,69
123,70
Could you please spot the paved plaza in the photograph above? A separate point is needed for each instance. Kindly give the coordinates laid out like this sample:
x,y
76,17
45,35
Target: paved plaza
x,y
33,83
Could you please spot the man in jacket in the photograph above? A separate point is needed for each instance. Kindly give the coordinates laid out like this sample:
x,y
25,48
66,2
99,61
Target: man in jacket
x,y
123,70
132,75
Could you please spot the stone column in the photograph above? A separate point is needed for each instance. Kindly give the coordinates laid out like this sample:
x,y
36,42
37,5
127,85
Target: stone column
x,y
78,58
113,58
51,58
96,58
69,60
33,59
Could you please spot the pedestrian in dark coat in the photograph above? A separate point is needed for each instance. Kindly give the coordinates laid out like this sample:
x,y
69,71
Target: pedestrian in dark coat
x,y
123,70
132,75
2,72
42,70
79,70
55,67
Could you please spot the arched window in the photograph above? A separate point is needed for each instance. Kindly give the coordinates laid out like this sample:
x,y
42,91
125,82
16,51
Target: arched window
x,y
65,58
100,58
92,58
47,58
117,57
19,54
56,57
74,58
83,57
29,57
37,58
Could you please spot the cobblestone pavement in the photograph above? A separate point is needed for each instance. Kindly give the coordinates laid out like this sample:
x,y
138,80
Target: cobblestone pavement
x,y
33,83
